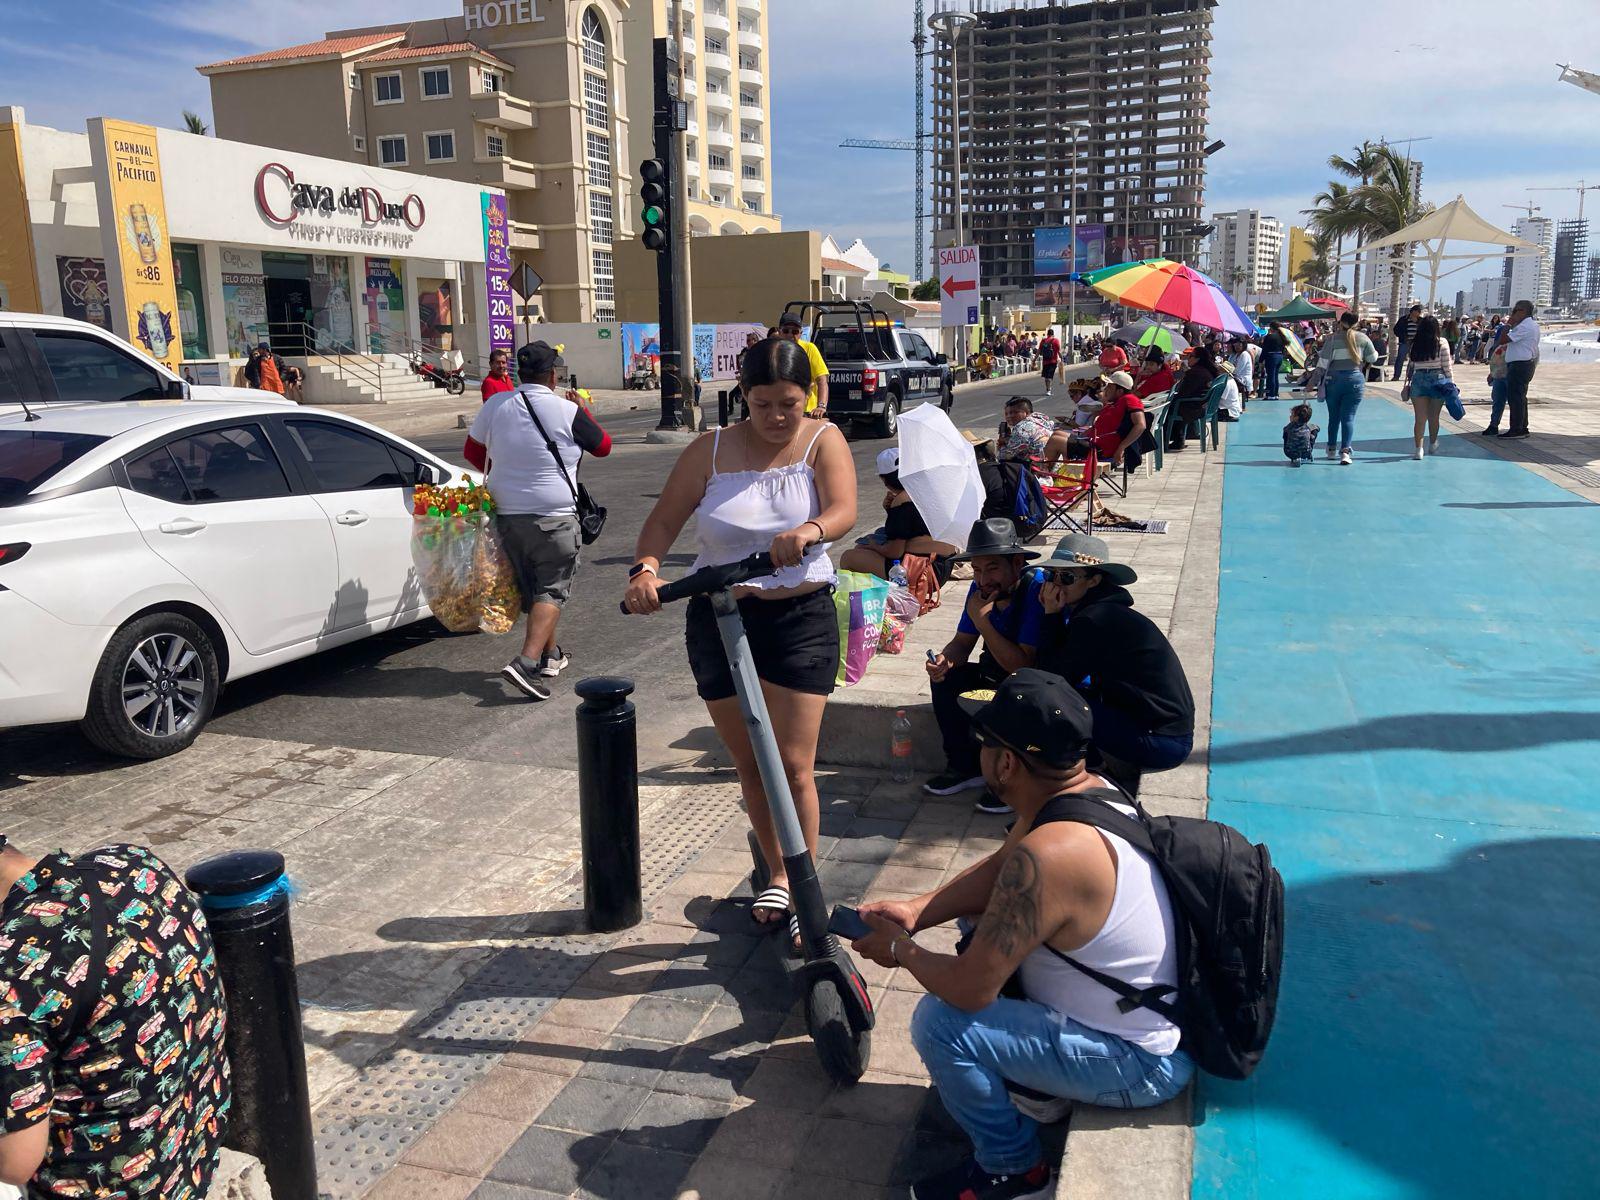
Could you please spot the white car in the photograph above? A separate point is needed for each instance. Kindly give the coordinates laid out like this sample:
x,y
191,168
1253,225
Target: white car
x,y
151,551
46,359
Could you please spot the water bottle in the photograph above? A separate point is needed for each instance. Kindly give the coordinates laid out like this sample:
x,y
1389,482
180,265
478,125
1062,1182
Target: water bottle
x,y
897,573
900,747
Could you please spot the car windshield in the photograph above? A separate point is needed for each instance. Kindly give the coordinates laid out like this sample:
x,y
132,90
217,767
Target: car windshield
x,y
29,457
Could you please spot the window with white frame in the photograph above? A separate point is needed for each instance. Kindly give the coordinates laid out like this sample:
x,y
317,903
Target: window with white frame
x,y
387,89
605,281
751,171
594,41
435,82
596,101
441,145
715,45
491,80
750,99
599,152
392,150
602,226
749,63
359,142
494,146
717,162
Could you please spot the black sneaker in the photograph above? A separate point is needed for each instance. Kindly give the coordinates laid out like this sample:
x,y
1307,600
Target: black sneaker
x,y
1514,433
551,665
969,1181
1492,431
948,783
990,803
525,679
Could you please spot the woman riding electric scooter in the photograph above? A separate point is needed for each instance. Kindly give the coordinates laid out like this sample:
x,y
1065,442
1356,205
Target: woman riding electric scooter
x,y
785,485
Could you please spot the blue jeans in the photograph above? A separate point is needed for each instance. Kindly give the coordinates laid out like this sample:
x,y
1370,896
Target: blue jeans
x,y
1120,736
970,1055
1497,395
1344,390
1271,363
1400,358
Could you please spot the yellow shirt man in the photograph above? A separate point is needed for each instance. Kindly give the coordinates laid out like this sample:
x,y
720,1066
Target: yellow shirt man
x,y
817,393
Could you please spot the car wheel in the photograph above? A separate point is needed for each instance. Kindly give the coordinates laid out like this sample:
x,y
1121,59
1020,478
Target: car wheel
x,y
888,423
154,689
949,396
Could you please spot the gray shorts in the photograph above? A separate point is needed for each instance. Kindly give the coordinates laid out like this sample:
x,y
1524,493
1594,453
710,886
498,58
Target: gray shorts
x,y
543,553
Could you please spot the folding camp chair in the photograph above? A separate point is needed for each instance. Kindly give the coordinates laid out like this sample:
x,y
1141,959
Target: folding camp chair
x,y
1066,486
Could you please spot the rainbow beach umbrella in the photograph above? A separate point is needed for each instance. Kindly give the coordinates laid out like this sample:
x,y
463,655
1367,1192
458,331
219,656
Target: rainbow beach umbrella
x,y
1160,285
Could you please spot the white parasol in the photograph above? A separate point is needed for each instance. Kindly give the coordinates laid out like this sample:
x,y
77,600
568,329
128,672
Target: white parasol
x,y
940,473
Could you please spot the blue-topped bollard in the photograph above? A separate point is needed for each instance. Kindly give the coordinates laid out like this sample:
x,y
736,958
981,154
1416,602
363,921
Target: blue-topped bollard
x,y
608,803
245,896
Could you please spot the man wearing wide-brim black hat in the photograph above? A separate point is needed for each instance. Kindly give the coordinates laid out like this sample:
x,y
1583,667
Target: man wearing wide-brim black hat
x,y
1118,660
1002,611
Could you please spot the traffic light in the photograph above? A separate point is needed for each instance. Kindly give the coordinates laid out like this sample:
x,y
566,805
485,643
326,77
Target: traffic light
x,y
654,194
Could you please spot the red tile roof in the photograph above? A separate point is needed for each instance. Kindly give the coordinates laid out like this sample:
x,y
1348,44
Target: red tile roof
x,y
326,48
839,266
426,51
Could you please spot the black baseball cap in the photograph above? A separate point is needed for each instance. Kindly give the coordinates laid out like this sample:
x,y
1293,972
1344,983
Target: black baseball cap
x,y
539,358
789,321
1036,714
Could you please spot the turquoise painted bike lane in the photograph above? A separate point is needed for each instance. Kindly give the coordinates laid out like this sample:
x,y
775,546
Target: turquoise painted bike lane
x,y
1406,710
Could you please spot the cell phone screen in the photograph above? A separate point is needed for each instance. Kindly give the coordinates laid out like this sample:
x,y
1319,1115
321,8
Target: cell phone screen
x,y
846,922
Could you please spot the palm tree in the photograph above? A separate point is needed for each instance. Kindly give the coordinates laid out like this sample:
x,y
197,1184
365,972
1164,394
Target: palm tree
x,y
1335,198
1391,204
1237,278
1357,166
193,123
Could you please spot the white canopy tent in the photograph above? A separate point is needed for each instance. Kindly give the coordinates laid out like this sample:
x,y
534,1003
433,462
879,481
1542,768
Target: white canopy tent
x,y
1587,80
1454,222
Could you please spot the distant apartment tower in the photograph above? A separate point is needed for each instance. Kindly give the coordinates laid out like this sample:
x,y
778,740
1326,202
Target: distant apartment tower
x,y
1487,295
1532,277
1246,251
722,50
1571,261
1132,72
1591,287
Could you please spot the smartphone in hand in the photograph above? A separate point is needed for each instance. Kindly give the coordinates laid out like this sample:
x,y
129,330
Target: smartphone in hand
x,y
846,922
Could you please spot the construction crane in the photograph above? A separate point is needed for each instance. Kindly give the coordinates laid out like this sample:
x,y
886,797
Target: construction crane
x,y
1580,189
918,144
1530,207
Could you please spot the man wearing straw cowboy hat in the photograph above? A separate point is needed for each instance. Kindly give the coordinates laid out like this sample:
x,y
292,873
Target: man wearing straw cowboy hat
x,y
1117,658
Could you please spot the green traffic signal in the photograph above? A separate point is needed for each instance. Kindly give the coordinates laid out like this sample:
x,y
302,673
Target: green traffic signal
x,y
654,215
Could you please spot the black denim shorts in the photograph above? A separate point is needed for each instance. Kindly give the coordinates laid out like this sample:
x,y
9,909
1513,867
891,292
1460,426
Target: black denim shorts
x,y
794,642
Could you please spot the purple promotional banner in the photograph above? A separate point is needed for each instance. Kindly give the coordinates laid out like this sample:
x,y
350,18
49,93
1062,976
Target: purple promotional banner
x,y
497,273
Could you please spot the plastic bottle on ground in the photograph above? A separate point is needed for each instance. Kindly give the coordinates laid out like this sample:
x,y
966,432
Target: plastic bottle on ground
x,y
900,747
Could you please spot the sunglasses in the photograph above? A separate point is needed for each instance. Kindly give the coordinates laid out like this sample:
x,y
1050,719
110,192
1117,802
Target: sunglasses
x,y
1064,578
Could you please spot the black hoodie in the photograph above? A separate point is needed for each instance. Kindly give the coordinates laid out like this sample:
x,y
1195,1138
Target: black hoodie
x,y
1128,662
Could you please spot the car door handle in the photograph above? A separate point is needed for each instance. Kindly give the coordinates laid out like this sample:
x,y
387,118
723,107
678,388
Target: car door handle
x,y
182,525
351,517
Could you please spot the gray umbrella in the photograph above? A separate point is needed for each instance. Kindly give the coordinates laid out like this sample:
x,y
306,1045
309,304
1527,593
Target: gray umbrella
x,y
1145,332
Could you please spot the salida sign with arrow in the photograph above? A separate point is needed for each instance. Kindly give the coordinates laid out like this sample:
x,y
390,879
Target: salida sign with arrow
x,y
958,285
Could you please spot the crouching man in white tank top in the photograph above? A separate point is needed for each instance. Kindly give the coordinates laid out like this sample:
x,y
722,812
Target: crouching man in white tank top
x,y
1056,887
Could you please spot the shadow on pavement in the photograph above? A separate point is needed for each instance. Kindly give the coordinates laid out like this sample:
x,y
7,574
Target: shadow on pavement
x,y
1464,732
1435,1023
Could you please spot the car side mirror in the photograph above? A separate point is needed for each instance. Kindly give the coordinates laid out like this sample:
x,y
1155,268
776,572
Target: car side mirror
x,y
941,360
177,389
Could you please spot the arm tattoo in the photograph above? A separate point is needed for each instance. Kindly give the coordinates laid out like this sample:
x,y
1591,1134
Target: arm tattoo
x,y
1011,920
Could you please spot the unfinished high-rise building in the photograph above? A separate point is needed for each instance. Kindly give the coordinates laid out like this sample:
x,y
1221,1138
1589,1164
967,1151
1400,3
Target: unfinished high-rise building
x,y
1572,260
1132,73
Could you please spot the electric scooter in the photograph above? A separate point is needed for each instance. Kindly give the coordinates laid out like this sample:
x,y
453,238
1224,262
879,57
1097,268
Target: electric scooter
x,y
838,1010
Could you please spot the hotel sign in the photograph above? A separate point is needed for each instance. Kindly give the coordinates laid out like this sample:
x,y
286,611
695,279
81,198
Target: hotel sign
x,y
492,14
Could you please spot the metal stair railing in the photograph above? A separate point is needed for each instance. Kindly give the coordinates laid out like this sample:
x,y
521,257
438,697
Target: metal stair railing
x,y
349,362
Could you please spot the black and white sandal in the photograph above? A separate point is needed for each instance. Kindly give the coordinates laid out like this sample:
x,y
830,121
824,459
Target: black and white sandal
x,y
774,899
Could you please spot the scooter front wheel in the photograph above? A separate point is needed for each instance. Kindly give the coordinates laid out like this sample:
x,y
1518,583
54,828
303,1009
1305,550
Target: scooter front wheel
x,y
844,1052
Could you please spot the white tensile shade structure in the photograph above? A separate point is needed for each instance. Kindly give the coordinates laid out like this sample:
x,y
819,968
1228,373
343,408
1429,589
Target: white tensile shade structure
x,y
1454,222
1587,80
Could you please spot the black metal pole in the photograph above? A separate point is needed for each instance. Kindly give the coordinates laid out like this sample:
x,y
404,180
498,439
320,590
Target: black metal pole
x,y
608,803
665,69
247,909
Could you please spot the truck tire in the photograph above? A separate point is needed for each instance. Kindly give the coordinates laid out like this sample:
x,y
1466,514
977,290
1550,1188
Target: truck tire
x,y
887,423
166,660
948,398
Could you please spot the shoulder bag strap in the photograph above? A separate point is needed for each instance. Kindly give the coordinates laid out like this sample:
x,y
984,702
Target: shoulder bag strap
x,y
550,445
84,997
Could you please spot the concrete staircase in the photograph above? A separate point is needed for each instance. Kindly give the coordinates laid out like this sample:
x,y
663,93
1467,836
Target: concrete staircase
x,y
367,379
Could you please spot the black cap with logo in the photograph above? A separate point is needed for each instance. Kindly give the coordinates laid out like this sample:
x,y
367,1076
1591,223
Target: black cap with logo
x,y
1036,714
539,358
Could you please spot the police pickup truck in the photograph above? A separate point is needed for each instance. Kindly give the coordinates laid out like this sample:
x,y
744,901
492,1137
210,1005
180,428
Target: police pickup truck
x,y
875,367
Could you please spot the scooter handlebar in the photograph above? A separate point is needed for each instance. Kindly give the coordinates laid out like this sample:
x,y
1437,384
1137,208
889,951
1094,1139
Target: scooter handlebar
x,y
714,579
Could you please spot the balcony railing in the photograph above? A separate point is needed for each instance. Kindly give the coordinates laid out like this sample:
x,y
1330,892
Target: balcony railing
x,y
753,187
751,148
752,112
753,78
750,39
720,137
719,62
712,19
502,111
719,176
509,173
719,101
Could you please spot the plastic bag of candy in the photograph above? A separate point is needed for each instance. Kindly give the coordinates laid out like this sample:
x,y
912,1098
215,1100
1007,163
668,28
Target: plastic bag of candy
x,y
499,599
461,566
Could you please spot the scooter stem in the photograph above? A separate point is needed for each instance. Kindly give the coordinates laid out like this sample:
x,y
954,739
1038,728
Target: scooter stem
x,y
803,887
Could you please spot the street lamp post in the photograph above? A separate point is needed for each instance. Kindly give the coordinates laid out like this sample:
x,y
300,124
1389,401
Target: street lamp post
x,y
952,24
1072,223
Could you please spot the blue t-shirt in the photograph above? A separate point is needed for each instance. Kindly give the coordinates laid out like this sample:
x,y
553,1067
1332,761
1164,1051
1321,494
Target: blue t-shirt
x,y
1022,621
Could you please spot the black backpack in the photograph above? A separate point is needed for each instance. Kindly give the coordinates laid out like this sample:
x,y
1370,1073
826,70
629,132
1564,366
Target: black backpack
x,y
1227,905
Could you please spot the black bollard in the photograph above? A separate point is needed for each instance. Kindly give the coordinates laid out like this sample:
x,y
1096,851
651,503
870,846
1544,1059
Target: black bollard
x,y
608,803
246,902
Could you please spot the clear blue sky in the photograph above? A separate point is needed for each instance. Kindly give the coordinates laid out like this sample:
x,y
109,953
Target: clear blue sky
x,y
1292,82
